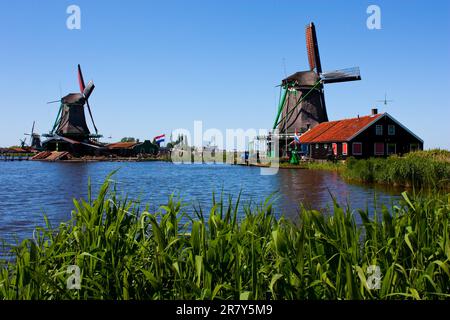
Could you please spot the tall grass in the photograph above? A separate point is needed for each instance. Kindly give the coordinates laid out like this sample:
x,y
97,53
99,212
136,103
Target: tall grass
x,y
338,166
127,254
429,169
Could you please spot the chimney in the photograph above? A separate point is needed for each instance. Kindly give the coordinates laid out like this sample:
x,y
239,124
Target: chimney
x,y
374,111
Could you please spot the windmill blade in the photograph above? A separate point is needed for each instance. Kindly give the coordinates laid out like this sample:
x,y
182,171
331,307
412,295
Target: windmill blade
x,y
322,98
88,90
55,101
313,48
32,129
342,75
87,93
92,118
81,80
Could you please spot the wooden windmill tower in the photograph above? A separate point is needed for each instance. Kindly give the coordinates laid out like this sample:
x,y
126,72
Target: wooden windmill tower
x,y
302,103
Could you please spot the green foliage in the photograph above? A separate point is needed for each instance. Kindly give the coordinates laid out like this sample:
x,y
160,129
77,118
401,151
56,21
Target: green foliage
x,y
128,139
328,165
324,165
234,252
420,169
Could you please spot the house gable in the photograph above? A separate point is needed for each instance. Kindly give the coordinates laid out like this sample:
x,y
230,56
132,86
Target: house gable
x,y
375,141
381,118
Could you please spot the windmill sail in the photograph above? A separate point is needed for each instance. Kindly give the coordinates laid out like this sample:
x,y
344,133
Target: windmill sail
x,y
312,48
88,90
343,75
80,79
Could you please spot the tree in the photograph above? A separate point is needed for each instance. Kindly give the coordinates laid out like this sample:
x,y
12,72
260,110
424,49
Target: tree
x,y
128,139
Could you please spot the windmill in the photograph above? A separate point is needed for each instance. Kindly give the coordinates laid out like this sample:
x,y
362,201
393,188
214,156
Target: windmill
x,y
70,131
35,139
22,142
302,98
71,121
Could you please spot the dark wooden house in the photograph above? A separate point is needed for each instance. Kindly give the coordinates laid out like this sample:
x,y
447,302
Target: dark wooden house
x,y
376,135
132,149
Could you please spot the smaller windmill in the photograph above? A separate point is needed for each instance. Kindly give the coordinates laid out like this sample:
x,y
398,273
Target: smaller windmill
x,y
35,139
22,142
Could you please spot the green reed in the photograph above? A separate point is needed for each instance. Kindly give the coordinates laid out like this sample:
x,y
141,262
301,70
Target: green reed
x,y
235,251
429,169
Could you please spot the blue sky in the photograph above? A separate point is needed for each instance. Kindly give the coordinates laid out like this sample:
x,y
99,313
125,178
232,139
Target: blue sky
x,y
160,65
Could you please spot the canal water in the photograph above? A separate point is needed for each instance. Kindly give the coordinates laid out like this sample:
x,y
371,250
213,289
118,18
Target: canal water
x,y
29,189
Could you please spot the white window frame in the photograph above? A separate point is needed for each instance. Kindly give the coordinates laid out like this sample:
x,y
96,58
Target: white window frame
x,y
353,149
387,148
380,128
391,127
375,149
346,151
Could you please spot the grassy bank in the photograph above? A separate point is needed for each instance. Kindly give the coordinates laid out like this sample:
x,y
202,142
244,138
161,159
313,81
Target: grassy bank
x,y
325,165
429,169
422,169
126,254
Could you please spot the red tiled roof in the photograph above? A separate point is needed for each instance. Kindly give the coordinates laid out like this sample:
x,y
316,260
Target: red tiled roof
x,y
17,150
121,145
340,130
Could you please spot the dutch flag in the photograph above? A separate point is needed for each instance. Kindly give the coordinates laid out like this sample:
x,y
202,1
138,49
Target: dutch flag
x,y
160,138
296,137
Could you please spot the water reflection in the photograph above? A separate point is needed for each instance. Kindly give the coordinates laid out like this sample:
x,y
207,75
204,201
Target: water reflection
x,y
303,186
29,189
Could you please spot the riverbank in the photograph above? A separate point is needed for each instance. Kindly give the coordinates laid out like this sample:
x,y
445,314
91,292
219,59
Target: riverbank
x,y
421,169
108,159
315,165
126,254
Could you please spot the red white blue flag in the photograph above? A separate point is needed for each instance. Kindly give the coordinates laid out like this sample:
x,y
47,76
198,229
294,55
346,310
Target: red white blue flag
x,y
160,138
296,137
